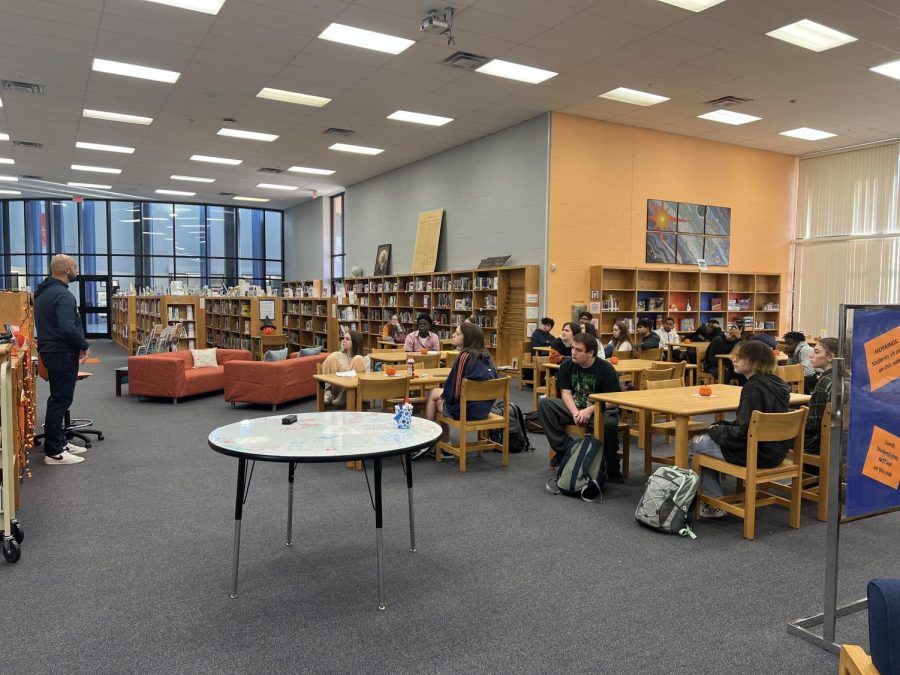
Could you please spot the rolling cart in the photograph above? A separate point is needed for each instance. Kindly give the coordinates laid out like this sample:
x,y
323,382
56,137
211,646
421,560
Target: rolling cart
x,y
9,527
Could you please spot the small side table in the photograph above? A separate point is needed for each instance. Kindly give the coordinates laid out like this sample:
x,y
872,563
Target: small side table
x,y
121,376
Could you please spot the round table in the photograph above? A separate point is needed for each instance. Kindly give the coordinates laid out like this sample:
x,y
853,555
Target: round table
x,y
321,437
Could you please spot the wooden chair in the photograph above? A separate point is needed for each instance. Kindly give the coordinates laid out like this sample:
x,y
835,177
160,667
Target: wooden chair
x,y
855,661
425,361
793,375
526,364
650,354
388,390
450,360
539,373
678,367
666,427
477,390
656,375
763,427
624,354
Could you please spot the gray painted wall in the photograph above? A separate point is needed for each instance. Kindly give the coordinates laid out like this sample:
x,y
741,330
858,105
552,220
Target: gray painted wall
x,y
493,192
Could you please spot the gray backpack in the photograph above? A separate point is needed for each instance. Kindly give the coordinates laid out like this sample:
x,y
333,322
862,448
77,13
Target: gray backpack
x,y
582,470
668,501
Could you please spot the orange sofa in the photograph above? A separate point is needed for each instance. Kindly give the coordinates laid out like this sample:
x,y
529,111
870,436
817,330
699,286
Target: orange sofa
x,y
271,382
172,374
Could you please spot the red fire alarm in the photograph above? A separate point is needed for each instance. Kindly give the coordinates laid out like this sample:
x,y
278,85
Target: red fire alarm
x,y
77,199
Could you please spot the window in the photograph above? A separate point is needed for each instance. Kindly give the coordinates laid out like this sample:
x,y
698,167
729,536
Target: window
x,y
337,237
125,228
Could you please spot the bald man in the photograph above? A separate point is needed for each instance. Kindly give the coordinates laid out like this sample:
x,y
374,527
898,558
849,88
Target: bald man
x,y
62,346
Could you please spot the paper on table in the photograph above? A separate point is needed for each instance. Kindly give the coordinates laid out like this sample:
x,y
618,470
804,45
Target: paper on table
x,y
346,373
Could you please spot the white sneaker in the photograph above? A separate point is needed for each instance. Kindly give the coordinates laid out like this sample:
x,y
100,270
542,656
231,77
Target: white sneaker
x,y
707,511
328,397
63,458
73,449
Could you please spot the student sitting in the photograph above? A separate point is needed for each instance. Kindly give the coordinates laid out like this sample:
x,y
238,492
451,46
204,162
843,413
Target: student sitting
x,y
349,358
765,392
707,332
667,334
394,330
798,351
725,344
644,332
562,346
591,329
621,339
823,354
585,317
541,336
424,338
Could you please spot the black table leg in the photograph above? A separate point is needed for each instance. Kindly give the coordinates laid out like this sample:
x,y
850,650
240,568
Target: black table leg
x,y
291,467
238,513
409,491
379,546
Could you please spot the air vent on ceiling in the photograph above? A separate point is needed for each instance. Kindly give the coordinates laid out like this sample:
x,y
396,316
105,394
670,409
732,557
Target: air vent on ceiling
x,y
465,60
334,131
227,194
26,176
269,169
22,87
28,144
727,101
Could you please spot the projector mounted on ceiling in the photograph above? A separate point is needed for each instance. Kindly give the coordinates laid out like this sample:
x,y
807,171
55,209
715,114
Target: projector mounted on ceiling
x,y
439,22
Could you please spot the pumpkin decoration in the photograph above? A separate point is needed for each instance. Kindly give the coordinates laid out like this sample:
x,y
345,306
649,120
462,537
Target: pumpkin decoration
x,y
268,327
390,371
705,391
614,360
423,351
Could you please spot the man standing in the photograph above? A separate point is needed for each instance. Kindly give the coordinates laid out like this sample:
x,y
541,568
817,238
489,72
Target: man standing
x,y
579,377
61,346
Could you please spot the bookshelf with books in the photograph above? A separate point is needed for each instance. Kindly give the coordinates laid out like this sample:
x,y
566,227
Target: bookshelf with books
x,y
234,322
170,310
691,297
124,322
309,319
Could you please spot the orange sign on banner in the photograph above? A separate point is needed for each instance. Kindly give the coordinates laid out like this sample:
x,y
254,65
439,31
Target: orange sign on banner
x,y
883,358
883,459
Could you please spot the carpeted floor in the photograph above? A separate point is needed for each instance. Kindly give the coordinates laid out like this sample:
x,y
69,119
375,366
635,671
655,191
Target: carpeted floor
x,y
126,566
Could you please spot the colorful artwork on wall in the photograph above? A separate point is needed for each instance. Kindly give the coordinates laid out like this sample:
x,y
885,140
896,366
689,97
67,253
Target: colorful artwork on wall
x,y
690,249
691,217
661,247
685,233
718,221
716,250
661,215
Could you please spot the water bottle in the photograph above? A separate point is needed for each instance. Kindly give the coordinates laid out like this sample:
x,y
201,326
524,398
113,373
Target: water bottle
x,y
410,368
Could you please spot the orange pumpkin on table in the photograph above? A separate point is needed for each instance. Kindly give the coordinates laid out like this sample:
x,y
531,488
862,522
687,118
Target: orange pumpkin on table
x,y
423,351
390,371
705,391
268,330
614,360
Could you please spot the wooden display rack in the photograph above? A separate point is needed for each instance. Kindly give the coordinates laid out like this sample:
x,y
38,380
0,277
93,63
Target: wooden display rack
x,y
234,323
169,310
309,317
124,322
691,297
15,373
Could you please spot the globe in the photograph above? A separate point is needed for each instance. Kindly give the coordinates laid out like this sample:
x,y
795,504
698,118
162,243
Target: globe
x,y
356,271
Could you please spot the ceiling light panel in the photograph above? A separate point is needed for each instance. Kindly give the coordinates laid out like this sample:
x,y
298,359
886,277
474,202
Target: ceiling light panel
x,y
516,71
292,97
247,135
633,96
116,117
205,6
728,117
4,137
276,186
95,169
807,134
93,186
10,179
7,160
419,118
1,102
890,69
693,5
216,160
10,192
367,39
250,199
134,70
104,148
311,170
811,35
180,193
193,179
358,149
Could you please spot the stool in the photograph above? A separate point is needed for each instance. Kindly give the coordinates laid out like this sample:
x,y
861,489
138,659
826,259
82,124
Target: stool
x,y
76,428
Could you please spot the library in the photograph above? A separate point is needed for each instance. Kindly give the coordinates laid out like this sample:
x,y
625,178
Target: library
x,y
310,243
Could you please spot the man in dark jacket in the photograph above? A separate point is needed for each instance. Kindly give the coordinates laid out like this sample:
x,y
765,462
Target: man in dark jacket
x,y
706,332
648,339
61,345
724,344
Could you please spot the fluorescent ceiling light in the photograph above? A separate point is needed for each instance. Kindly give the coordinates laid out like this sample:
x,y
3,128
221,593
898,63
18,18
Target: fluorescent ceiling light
x,y
154,234
11,179
4,137
205,6
367,39
249,135
811,35
250,199
891,69
693,5
275,186
10,192
134,70
358,149
216,160
1,102
176,192
516,71
633,96
419,118
95,169
808,134
292,97
307,169
105,148
94,186
194,179
116,117
7,160
728,117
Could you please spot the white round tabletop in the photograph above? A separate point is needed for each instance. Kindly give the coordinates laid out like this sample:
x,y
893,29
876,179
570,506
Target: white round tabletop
x,y
322,437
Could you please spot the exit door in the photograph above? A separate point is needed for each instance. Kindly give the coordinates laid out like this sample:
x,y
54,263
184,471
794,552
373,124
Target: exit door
x,y
94,305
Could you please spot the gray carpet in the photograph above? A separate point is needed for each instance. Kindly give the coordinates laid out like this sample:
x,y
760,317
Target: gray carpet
x,y
126,566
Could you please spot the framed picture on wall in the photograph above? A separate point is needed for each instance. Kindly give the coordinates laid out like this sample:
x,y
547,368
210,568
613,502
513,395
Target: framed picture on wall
x,y
382,259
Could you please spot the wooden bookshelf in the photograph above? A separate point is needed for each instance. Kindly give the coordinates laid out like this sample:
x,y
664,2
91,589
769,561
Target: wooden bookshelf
x,y
690,297
169,310
309,317
124,322
234,323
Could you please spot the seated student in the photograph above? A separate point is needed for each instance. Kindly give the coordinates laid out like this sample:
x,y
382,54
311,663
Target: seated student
x,y
350,357
585,317
798,351
766,339
823,354
621,339
394,330
667,334
580,376
725,344
707,332
765,392
591,329
473,363
561,347
424,338
541,336
645,336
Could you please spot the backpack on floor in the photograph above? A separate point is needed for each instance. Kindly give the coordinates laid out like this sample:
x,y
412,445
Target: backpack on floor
x,y
518,436
533,422
667,504
582,470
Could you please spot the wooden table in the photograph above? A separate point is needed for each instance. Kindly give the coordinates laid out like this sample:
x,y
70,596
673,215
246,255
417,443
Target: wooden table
x,y
629,367
682,403
428,378
779,358
401,357
541,350
390,344
121,377
698,347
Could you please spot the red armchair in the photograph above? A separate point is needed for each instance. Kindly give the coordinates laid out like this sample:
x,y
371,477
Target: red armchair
x,y
172,374
271,382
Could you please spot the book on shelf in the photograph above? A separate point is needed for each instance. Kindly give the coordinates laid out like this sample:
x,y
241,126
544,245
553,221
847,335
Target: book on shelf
x,y
687,325
715,304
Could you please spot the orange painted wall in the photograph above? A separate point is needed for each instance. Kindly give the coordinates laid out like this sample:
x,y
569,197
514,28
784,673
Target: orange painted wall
x,y
602,174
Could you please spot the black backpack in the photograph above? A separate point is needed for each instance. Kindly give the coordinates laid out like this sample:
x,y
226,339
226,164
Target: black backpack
x,y
518,436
